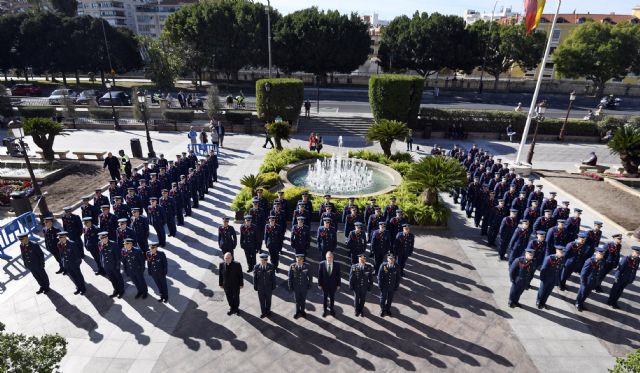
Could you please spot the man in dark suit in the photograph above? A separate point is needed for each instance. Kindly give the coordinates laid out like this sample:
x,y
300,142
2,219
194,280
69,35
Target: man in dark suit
x,y
230,279
329,282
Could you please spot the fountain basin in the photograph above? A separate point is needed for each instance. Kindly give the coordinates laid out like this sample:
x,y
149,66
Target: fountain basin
x,y
16,170
385,179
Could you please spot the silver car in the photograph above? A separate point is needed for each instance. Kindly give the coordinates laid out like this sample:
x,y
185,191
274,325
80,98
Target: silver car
x,y
59,94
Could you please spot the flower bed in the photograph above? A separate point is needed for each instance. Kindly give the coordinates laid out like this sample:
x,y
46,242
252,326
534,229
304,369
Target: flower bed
x,y
9,186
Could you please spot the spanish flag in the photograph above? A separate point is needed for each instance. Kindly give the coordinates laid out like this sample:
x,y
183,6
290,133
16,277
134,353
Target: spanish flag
x,y
532,13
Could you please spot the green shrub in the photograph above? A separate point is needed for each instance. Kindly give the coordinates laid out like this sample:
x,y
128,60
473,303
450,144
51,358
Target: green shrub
x,y
178,115
284,99
396,97
275,160
493,121
279,130
237,116
368,155
293,195
402,157
242,200
101,113
402,167
628,364
37,111
610,123
270,179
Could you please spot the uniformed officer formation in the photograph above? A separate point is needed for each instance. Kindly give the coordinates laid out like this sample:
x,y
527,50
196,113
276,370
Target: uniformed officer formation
x,y
534,232
386,237
114,230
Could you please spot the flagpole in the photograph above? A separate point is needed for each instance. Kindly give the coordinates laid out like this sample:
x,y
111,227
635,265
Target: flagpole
x,y
534,99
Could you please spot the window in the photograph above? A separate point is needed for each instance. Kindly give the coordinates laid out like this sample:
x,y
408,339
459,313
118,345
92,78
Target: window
x,y
548,65
555,36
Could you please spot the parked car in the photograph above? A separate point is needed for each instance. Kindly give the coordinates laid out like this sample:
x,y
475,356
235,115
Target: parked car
x,y
87,95
120,98
59,94
26,90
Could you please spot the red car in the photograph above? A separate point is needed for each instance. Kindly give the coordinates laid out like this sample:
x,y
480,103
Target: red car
x,y
26,90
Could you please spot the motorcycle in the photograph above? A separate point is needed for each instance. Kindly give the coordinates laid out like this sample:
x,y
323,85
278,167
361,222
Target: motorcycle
x,y
610,102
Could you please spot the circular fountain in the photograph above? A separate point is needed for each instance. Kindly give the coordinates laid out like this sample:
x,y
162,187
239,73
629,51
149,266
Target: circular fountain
x,y
341,176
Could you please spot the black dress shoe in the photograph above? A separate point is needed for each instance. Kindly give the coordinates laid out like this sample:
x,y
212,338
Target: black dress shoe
x,y
120,295
615,306
83,291
268,313
512,305
332,313
144,296
382,314
389,313
229,313
303,314
46,290
357,314
324,313
237,312
161,300
76,292
60,271
296,315
579,308
249,270
539,306
166,299
262,315
598,289
138,295
563,288
40,291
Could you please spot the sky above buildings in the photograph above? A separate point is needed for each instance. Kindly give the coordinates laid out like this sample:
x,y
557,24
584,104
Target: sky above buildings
x,y
387,9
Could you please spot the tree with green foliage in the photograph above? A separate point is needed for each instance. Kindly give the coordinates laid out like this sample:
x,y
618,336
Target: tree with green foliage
x,y
279,130
507,45
626,144
252,182
6,109
68,8
628,364
279,97
9,30
161,66
599,52
214,104
321,42
43,131
396,97
427,44
433,175
385,132
20,353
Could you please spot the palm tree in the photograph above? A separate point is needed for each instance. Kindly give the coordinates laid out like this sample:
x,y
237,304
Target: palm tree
x,y
279,130
626,144
385,132
252,182
432,175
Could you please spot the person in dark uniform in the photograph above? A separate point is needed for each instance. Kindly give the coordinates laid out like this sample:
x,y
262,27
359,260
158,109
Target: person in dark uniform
x,y
327,203
72,224
120,210
299,282
108,222
303,212
71,259
110,259
507,227
539,246
590,275
184,188
573,256
520,204
537,195
123,232
281,218
395,224
346,210
388,281
157,268
249,242
531,213
556,236
549,203
231,280
356,242
90,237
625,275
519,241
227,237
360,282
157,219
389,210
284,204
326,238
495,219
300,237
168,204
89,210
132,199
133,260
329,282
519,273
592,242
332,216
33,259
307,204
372,222
473,196
561,212
380,245
550,276
611,257
573,224
140,226
258,218
178,198
50,234
272,241
403,246
99,200
369,210
487,204
264,282
544,222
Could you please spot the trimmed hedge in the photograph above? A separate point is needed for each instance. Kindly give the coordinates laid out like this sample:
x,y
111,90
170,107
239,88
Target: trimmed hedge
x,y
37,111
275,160
178,115
101,113
498,121
390,97
237,116
270,179
284,99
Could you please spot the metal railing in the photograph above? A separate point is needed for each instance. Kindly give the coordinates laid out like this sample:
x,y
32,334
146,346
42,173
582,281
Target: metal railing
x,y
203,149
25,223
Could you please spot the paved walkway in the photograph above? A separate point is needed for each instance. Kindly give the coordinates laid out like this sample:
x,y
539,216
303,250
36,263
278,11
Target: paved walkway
x,y
450,313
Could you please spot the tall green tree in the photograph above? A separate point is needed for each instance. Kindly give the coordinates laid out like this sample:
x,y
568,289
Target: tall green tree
x,y
160,64
67,8
427,44
9,31
43,131
506,46
321,42
599,52
433,175
21,353
385,132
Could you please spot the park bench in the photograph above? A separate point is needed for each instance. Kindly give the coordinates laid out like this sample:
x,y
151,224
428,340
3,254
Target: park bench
x,y
597,168
60,154
82,155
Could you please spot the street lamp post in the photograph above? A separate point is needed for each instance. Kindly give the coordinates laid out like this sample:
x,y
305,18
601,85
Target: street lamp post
x,y
540,110
143,110
572,97
318,94
44,208
116,121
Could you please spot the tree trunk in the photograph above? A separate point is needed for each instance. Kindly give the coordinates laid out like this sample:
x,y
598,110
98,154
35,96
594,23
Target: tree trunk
x,y
102,77
77,78
278,142
495,83
630,164
429,198
386,148
64,78
26,75
5,75
46,145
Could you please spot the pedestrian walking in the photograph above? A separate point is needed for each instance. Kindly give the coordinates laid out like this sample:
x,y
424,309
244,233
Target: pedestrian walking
x,y
409,140
307,108
312,142
112,164
267,138
193,136
221,131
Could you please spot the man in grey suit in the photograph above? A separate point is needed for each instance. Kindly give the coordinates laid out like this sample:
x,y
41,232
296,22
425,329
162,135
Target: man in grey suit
x,y
329,282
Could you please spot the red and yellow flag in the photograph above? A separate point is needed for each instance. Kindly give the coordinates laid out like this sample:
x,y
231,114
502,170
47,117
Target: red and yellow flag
x,y
532,13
